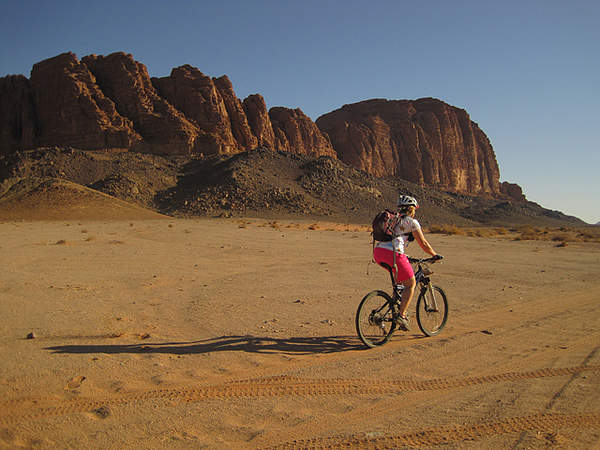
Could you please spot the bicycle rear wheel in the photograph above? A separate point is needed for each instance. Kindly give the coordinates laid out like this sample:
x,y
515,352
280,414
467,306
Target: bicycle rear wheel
x,y
432,310
375,318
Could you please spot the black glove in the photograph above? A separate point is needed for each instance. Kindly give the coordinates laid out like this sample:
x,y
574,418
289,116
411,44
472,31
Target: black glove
x,y
438,257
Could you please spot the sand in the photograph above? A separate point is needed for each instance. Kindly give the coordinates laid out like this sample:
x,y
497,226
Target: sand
x,y
240,334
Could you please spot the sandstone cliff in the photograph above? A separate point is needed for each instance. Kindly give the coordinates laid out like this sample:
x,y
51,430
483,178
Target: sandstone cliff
x,y
295,132
425,141
72,110
106,102
17,113
197,97
259,120
127,83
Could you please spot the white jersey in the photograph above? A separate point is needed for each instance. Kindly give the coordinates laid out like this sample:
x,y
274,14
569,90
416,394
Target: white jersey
x,y
400,241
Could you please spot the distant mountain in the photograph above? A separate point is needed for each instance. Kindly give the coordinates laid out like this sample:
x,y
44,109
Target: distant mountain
x,y
110,102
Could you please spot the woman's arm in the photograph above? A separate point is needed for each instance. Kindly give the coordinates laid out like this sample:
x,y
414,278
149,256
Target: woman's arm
x,y
420,238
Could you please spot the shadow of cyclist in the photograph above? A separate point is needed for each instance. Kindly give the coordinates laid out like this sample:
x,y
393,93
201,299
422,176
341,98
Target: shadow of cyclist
x,y
251,344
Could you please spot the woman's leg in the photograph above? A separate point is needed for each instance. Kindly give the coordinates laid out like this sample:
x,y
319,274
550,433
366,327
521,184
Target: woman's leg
x,y
407,294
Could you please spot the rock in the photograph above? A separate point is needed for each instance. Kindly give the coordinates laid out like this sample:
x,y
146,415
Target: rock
x,y
425,141
512,190
17,115
31,335
127,83
75,382
103,412
71,110
197,97
259,120
108,102
296,133
237,117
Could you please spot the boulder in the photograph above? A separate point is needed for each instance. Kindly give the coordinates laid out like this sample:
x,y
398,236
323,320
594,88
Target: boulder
x,y
513,191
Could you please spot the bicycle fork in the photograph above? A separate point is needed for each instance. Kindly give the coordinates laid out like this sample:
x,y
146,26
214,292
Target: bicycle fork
x,y
429,297
430,301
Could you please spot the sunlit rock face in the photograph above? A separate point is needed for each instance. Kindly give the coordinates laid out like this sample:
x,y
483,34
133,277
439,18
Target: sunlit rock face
x,y
426,141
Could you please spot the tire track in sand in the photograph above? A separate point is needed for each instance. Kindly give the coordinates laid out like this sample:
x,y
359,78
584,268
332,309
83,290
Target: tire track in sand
x,y
16,410
437,436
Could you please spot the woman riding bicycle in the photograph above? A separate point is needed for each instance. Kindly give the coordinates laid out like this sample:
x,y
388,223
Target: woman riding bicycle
x,y
384,252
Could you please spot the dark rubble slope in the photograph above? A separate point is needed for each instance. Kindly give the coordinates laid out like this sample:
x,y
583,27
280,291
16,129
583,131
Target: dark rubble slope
x,y
262,183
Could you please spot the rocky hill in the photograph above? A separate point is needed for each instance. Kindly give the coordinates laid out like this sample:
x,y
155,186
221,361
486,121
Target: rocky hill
x,y
110,102
253,183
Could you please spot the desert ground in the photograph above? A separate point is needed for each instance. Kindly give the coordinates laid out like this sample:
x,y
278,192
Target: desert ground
x,y
239,333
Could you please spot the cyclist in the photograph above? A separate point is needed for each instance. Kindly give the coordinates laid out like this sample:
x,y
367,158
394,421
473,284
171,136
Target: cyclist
x,y
384,252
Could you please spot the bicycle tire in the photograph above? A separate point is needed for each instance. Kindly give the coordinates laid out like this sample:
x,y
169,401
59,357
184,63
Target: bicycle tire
x,y
375,318
432,322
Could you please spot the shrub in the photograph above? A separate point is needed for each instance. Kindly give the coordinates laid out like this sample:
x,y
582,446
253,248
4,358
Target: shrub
x,y
446,229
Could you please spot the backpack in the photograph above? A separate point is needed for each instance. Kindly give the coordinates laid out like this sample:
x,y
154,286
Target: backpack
x,y
384,223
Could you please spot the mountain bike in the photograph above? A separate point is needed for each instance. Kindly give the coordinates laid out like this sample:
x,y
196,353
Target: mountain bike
x,y
378,312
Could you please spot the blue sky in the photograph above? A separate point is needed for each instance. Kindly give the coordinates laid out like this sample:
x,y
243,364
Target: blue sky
x,y
527,72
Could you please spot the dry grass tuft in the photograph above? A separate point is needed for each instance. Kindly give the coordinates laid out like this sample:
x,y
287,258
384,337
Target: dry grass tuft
x,y
523,233
527,236
481,232
61,242
517,233
561,237
446,229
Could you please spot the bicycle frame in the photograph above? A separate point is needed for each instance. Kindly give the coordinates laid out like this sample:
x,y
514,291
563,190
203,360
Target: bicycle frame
x,y
378,313
420,278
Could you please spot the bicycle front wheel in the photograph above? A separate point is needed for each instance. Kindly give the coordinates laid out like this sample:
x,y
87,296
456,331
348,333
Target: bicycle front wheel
x,y
432,310
375,318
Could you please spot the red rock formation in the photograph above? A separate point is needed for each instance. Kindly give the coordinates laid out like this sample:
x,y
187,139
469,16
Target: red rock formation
x,y
513,191
196,96
127,83
295,132
259,121
17,116
111,102
71,110
239,122
426,141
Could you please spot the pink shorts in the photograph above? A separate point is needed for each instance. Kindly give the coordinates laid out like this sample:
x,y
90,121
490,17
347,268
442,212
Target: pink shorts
x,y
404,270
